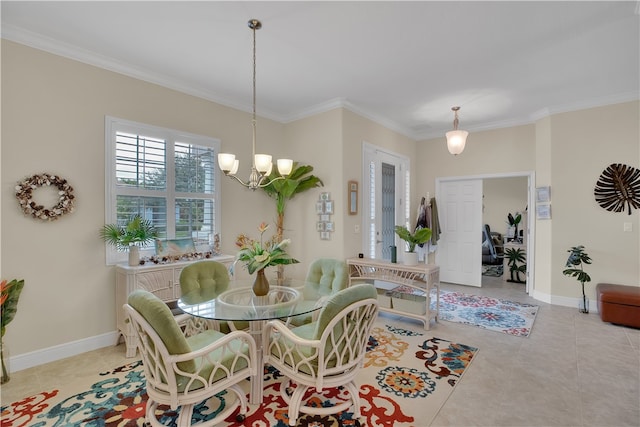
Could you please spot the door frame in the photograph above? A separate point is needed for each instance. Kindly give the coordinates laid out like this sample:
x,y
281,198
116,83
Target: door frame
x,y
402,189
531,175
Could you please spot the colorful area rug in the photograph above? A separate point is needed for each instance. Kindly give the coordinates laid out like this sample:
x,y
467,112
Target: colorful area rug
x,y
495,314
406,379
492,270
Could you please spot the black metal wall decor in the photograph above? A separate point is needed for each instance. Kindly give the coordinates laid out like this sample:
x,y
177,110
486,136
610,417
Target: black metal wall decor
x,y
618,185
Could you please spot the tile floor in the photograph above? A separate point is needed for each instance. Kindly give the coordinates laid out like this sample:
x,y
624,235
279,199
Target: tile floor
x,y
573,370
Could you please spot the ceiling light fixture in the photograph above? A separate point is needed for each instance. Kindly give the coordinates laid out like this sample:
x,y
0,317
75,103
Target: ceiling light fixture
x,y
261,166
456,139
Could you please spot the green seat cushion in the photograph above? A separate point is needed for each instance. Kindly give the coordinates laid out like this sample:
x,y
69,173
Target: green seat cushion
x,y
159,316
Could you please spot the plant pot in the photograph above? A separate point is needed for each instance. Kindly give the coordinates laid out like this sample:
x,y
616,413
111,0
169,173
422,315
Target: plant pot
x,y
134,255
261,284
410,258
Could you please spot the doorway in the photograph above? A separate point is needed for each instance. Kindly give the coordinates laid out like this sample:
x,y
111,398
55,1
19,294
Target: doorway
x,y
385,192
458,265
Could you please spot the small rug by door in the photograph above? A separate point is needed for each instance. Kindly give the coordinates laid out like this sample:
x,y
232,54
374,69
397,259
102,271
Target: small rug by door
x,y
495,314
407,377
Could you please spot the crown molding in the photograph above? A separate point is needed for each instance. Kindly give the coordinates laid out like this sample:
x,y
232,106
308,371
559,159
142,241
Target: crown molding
x,y
38,41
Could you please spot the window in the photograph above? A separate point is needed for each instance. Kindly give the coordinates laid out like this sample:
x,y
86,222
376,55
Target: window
x,y
166,176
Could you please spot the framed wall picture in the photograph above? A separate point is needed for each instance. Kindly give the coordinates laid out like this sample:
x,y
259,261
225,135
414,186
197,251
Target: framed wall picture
x,y
325,235
543,211
328,206
324,196
543,194
320,226
352,195
328,226
320,207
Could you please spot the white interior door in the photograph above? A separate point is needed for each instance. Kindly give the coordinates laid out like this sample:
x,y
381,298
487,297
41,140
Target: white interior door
x,y
385,175
460,212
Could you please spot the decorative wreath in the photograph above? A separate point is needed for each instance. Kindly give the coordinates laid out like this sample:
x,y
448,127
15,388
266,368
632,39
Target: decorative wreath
x,y
24,194
618,185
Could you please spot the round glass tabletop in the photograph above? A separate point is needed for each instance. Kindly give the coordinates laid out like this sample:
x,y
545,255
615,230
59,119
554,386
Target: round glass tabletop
x,y
240,303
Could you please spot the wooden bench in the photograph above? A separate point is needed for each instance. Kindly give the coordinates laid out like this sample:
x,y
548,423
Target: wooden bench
x,y
619,304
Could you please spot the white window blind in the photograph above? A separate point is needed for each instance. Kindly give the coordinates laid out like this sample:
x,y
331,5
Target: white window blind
x,y
166,176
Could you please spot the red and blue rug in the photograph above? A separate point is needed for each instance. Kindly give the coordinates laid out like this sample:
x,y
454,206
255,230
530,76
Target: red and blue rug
x,y
495,314
407,377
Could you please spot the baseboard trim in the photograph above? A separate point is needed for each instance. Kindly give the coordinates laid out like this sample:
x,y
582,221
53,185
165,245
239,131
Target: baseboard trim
x,y
51,354
564,301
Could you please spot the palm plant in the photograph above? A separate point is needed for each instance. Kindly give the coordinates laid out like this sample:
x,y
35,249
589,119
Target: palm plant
x,y
136,231
578,257
298,181
516,260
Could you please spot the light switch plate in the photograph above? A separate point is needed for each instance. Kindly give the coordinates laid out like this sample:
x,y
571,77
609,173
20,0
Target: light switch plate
x,y
628,226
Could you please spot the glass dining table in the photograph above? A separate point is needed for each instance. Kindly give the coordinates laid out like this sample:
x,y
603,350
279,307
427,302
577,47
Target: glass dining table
x,y
239,303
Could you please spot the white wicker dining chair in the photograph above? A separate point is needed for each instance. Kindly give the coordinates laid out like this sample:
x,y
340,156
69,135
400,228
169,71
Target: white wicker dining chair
x,y
184,371
325,353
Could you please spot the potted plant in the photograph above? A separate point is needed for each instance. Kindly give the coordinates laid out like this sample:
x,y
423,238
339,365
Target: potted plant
x,y
516,260
137,231
298,181
419,236
513,224
9,295
578,257
258,255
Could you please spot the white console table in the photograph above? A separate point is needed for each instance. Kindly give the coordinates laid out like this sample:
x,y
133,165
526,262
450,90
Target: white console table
x,y
422,277
163,280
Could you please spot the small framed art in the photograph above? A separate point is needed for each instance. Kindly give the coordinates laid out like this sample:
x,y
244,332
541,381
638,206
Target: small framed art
x,y
328,206
543,211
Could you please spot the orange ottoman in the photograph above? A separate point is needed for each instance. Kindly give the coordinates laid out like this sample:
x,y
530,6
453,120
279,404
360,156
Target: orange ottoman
x,y
619,304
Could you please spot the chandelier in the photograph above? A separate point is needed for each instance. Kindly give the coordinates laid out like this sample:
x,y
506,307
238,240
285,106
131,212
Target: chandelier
x,y
261,165
456,139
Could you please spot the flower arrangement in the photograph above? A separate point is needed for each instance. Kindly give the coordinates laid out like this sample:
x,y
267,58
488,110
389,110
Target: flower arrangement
x,y
9,295
260,254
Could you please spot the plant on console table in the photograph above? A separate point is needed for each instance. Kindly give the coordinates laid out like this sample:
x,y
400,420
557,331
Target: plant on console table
x,y
578,257
136,231
418,237
258,255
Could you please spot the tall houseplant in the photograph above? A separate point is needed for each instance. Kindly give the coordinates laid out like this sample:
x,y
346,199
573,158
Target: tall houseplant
x,y
282,190
578,257
136,231
422,235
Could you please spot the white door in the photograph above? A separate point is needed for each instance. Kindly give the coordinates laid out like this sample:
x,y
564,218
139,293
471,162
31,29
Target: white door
x,y
385,175
459,248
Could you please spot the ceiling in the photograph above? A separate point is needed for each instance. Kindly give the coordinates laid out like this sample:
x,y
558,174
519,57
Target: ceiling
x,y
401,64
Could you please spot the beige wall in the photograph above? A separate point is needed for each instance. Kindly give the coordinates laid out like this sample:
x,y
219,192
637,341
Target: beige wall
x,y
356,131
567,152
502,196
53,120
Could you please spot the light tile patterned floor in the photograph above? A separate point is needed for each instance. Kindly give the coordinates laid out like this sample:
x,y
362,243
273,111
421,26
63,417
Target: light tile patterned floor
x,y
573,370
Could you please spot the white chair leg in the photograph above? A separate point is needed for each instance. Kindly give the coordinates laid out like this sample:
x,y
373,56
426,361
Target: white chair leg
x,y
354,393
295,401
184,417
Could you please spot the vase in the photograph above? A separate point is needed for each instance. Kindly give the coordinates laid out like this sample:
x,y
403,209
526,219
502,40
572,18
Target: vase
x,y
134,255
583,305
4,359
261,284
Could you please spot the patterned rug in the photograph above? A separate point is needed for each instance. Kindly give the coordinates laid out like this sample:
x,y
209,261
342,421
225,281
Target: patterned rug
x,y
407,377
495,314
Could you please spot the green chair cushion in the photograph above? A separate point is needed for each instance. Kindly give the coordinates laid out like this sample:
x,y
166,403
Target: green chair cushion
x,y
203,280
159,316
